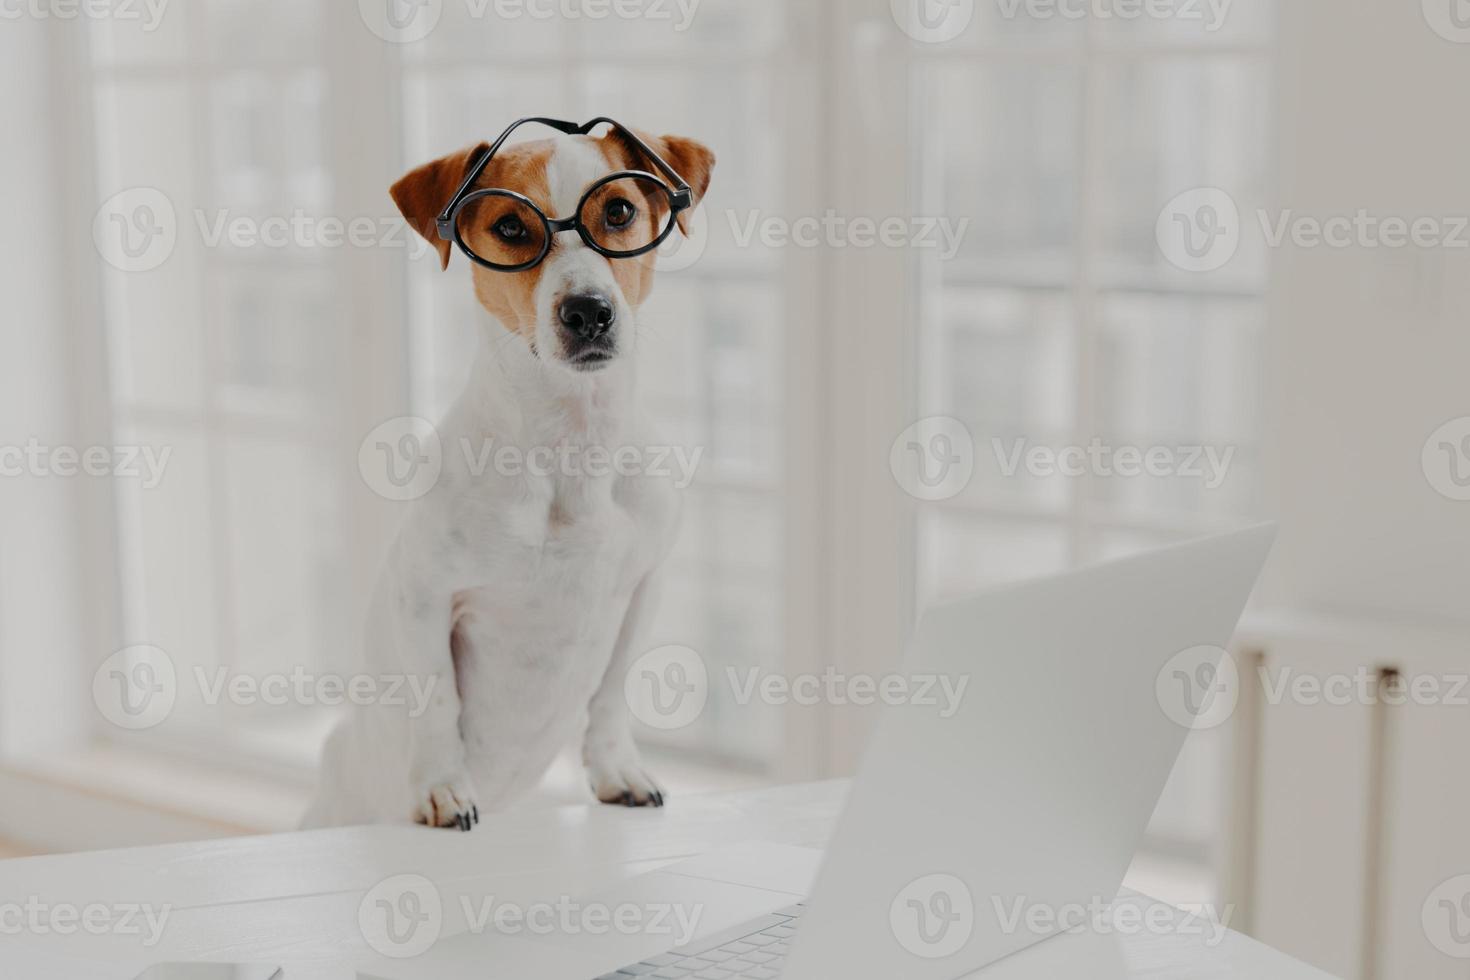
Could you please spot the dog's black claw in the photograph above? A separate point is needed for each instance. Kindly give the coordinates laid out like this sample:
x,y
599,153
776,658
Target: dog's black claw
x,y
475,813
657,799
628,799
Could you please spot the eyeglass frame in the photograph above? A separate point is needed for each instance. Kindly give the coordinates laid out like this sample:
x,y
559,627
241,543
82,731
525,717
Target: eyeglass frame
x,y
681,196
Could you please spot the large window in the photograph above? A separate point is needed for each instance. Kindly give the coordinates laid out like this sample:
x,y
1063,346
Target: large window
x,y
224,351
1061,321
244,358
1044,315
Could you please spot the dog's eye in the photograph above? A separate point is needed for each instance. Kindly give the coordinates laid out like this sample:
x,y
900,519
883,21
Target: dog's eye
x,y
620,213
510,228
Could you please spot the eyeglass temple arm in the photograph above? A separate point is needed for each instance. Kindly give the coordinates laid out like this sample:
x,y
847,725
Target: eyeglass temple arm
x,y
443,223
683,196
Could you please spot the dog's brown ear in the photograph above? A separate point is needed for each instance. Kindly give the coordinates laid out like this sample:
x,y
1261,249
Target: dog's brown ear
x,y
422,193
695,163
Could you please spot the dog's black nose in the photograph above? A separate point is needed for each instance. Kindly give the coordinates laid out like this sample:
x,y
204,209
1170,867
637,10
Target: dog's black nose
x,y
587,315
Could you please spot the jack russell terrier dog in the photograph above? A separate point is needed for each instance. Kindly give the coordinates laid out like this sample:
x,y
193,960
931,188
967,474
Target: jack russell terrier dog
x,y
521,597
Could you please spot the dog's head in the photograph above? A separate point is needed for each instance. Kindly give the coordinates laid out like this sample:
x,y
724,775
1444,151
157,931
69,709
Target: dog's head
x,y
576,307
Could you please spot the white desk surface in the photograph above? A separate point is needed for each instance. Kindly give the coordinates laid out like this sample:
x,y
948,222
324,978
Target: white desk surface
x,y
294,898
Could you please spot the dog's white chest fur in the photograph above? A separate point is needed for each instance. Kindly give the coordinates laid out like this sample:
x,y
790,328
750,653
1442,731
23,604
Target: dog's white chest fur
x,y
531,649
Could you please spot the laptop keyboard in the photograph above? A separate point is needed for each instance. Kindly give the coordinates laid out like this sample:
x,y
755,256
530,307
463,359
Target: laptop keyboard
x,y
754,949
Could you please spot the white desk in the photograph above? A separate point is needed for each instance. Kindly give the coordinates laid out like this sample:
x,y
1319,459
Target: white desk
x,y
294,898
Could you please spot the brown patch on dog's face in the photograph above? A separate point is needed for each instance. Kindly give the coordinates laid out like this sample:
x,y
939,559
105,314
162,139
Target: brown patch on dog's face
x,y
554,305
691,160
491,225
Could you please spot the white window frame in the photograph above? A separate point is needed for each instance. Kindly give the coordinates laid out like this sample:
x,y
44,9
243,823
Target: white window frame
x,y
852,336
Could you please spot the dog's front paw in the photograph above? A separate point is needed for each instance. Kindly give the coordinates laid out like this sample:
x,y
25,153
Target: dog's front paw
x,y
625,785
449,803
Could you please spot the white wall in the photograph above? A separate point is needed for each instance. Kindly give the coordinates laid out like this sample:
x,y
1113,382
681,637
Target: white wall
x,y
1370,349
41,577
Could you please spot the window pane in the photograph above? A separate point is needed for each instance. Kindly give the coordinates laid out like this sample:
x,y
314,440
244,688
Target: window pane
x,y
155,346
1173,126
666,29
478,32
999,149
145,39
168,554
1000,22
286,569
275,344
1210,22
1002,362
263,30
448,109
1180,375
712,358
269,158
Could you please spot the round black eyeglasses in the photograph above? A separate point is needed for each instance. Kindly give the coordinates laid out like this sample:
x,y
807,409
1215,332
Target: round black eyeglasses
x,y
622,215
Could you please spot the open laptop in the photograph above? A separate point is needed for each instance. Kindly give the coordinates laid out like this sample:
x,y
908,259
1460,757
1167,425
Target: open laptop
x,y
969,837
